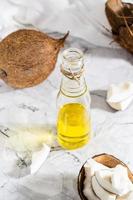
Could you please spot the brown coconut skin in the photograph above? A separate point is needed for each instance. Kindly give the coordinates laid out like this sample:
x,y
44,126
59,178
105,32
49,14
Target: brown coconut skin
x,y
105,159
27,57
120,17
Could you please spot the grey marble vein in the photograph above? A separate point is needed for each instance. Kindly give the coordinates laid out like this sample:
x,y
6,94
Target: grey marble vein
x,y
32,108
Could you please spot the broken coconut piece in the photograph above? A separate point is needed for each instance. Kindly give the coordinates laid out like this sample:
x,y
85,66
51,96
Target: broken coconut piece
x,y
115,181
38,158
120,180
27,57
100,192
88,191
104,179
90,168
120,96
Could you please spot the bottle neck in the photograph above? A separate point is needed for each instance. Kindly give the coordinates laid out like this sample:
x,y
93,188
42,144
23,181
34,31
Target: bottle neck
x,y
73,83
73,88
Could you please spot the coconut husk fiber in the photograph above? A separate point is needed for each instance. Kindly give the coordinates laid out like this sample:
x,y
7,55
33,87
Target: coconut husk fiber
x,y
27,57
120,17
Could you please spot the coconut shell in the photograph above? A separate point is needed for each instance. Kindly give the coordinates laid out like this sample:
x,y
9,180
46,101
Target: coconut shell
x,y
105,159
120,17
27,57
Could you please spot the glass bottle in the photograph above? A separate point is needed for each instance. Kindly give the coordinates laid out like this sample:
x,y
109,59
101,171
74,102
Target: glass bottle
x,y
73,102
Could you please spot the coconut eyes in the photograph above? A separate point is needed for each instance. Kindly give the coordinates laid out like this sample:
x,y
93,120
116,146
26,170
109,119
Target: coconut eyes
x,y
3,73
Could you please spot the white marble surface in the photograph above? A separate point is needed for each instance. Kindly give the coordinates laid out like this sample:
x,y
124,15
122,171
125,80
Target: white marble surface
x,y
57,178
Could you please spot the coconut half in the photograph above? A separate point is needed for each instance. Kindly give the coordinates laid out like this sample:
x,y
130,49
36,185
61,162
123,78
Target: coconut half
x,y
105,159
120,17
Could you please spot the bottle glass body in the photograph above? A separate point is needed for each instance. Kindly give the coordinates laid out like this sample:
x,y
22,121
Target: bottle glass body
x,y
73,103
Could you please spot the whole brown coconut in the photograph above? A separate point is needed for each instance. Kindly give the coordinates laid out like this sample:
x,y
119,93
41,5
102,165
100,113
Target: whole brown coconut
x,y
120,16
27,57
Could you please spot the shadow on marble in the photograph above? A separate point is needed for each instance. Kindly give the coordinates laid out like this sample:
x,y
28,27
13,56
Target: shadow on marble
x,y
30,194
110,53
5,88
98,100
52,185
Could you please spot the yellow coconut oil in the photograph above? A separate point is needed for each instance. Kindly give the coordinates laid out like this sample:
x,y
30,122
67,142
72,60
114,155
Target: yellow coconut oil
x,y
73,126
